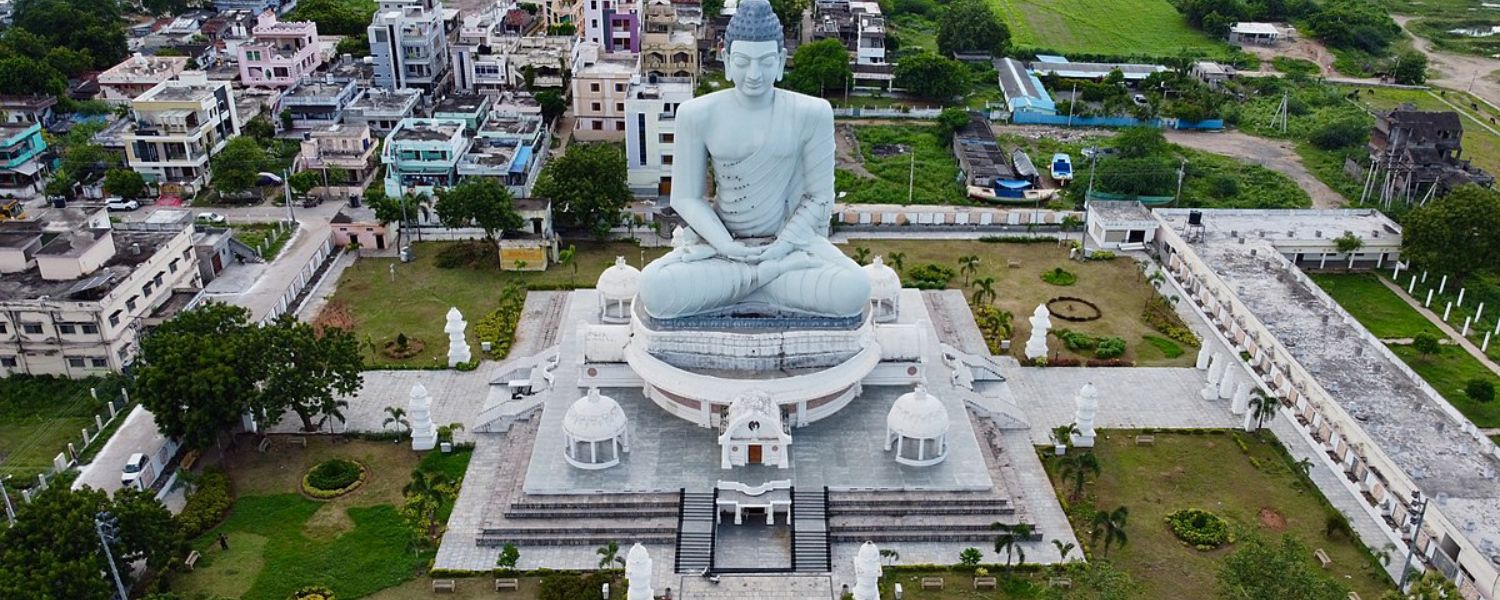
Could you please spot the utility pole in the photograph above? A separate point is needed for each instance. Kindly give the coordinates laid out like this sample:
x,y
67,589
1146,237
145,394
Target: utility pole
x,y
1072,102
1181,173
104,524
10,509
911,176
286,188
1420,505
1093,166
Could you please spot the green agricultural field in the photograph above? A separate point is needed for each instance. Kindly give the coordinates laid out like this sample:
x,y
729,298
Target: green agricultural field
x,y
1447,372
1115,27
1375,306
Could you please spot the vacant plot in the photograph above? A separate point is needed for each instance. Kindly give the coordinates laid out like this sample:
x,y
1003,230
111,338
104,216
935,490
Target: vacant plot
x,y
1377,308
896,156
1117,286
1208,471
1117,27
385,297
1448,372
39,416
267,238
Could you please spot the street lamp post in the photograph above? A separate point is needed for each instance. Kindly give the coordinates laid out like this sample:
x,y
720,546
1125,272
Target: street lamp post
x,y
1419,505
104,523
10,509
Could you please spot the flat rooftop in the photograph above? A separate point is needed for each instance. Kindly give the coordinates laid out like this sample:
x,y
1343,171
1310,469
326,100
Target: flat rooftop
x,y
460,103
1402,415
29,285
307,90
178,92
382,101
609,66
426,130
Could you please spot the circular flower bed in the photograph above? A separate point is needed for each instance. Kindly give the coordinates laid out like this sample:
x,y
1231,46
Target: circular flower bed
x,y
1200,528
1059,276
313,592
395,349
1072,309
333,478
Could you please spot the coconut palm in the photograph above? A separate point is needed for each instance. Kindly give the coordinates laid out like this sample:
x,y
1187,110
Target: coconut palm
x,y
968,265
609,554
1305,466
1078,467
1111,526
984,290
1009,542
1262,408
898,261
862,255
396,415
1063,549
889,556
1063,434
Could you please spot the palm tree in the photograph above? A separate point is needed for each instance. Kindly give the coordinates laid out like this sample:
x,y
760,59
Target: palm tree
x,y
1063,434
898,261
1078,467
565,257
1063,549
984,290
396,416
1262,408
889,556
862,255
1009,542
427,491
1111,525
1305,465
609,554
968,265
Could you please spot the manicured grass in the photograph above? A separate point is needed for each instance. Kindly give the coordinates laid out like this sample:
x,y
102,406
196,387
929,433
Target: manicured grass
x,y
416,297
1250,488
1117,286
1118,27
268,238
1447,372
39,416
1168,348
1376,307
279,540
469,588
933,171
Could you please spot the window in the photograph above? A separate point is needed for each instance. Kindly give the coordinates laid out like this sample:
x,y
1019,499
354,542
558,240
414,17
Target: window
x,y
67,329
619,107
75,362
8,361
593,87
172,266
99,363
666,159
123,353
596,107
146,289
619,87
666,138
4,328
90,329
31,328
619,126
157,280
114,318
131,303
596,125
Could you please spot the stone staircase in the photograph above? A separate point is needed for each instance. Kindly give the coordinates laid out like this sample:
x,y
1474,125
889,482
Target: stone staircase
x,y
567,520
695,532
918,516
810,550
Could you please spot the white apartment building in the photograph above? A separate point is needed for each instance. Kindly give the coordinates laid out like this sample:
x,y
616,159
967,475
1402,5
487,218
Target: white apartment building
x,y
650,128
409,45
75,304
176,126
133,76
600,84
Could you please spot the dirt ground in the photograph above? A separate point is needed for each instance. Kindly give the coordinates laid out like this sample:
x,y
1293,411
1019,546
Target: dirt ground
x,y
847,155
1303,48
1458,71
1272,154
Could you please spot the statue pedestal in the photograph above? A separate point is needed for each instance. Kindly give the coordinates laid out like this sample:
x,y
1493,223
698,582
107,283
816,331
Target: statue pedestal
x,y
748,344
1083,441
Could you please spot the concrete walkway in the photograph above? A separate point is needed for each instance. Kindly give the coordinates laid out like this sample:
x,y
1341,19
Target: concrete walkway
x,y
1447,329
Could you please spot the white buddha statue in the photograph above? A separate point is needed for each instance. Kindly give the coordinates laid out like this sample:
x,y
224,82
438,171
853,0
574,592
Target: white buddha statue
x,y
762,244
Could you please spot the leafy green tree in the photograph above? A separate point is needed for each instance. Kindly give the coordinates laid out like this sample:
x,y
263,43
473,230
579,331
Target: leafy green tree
x,y
971,26
69,62
1140,142
387,209
305,371
1353,24
335,17
1458,233
236,168
1348,243
1340,132
1098,579
1480,390
21,75
1263,570
482,202
951,120
818,66
790,13
1432,585
711,9
587,187
552,103
1410,68
198,372
932,76
970,557
125,183
1150,176
303,182
259,128
509,556
1426,344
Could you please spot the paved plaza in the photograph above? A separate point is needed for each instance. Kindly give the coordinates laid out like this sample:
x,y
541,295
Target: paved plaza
x,y
765,587
1129,398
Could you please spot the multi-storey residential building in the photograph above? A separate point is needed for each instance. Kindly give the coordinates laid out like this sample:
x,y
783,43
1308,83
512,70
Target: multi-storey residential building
x,y
344,155
318,102
511,147
650,129
472,109
546,58
280,53
668,47
485,43
557,13
479,68
381,109
177,125
133,76
409,45
74,303
421,155
599,88
19,110
614,25
861,27
21,166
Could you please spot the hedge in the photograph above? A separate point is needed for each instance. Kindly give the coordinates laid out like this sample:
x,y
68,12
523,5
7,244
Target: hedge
x,y
319,475
1199,528
207,505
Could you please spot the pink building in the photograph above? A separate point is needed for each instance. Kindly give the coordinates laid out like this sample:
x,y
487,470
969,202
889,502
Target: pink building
x,y
279,54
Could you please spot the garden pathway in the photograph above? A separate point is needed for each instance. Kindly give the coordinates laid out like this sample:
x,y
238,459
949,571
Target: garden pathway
x,y
1452,333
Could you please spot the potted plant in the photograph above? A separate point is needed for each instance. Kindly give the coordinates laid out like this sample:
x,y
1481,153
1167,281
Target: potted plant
x,y
1061,435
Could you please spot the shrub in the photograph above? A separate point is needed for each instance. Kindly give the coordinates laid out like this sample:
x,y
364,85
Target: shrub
x,y
1101,255
1223,185
499,326
1110,347
1160,316
569,586
471,254
1168,348
313,592
1200,528
1479,390
1076,341
333,478
930,276
1059,276
970,557
207,504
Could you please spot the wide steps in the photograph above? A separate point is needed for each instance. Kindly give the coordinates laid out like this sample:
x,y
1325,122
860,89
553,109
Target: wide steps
x,y
695,532
586,539
934,509
810,537
574,513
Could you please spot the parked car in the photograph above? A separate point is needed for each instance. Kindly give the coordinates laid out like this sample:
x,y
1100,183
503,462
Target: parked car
x,y
138,471
1139,99
311,201
121,204
1097,151
211,217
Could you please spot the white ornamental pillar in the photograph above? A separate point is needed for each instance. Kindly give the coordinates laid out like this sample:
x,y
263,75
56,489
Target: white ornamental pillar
x,y
1215,373
1461,295
1241,401
1446,311
867,573
423,433
1204,355
1428,303
1036,345
458,345
1465,332
1443,285
1485,347
638,574
1226,385
1087,402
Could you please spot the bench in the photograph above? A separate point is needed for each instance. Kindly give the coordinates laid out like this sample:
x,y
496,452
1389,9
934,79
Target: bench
x,y
984,583
192,560
1013,264
1060,582
507,583
300,440
264,443
1353,596
1323,559
1145,440
444,585
932,583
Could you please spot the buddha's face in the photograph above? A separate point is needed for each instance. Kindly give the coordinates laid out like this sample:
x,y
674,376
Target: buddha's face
x,y
755,67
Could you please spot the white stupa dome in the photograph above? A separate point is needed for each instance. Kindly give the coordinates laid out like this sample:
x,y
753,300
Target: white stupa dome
x,y
620,281
594,418
885,283
918,414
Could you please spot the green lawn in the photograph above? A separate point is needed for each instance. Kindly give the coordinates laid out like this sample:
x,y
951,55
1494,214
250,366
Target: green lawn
x,y
279,540
414,298
268,238
1447,372
933,171
1376,307
1116,27
39,416
1208,471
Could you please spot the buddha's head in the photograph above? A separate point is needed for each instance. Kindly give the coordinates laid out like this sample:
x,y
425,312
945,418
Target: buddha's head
x,y
755,48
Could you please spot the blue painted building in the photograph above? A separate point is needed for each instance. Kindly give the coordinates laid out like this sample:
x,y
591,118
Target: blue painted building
x,y
21,167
